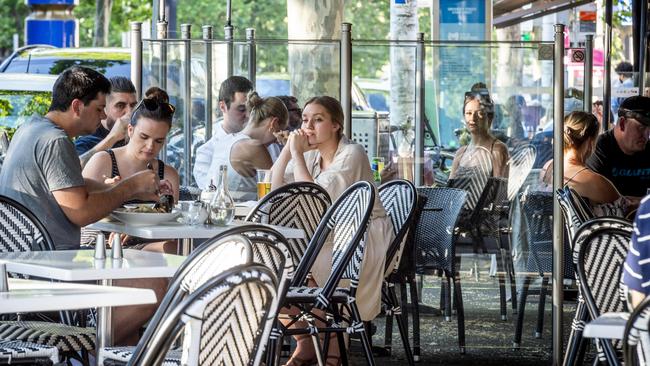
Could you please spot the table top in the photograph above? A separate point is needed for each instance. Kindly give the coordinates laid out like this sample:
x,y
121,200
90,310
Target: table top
x,y
81,265
607,326
175,230
36,296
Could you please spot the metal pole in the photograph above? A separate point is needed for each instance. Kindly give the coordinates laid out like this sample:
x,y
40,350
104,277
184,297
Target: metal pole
x,y
418,174
161,32
346,77
558,179
207,37
607,87
136,57
643,44
228,32
252,54
589,69
186,34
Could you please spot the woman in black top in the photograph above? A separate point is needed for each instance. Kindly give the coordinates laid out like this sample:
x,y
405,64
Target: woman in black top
x,y
150,123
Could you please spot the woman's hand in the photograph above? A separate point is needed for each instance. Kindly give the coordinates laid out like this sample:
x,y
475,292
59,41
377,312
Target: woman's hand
x,y
165,187
299,142
111,181
282,137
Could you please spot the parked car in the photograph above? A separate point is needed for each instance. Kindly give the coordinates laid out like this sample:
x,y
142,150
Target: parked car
x,y
21,96
377,93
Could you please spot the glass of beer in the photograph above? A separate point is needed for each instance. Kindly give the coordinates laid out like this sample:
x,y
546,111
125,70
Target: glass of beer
x,y
263,182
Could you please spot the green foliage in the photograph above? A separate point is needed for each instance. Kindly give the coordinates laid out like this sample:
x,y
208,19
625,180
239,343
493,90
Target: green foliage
x,y
38,105
11,21
123,12
5,108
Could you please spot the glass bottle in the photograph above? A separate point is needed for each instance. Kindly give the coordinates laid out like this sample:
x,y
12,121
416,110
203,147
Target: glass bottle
x,y
222,207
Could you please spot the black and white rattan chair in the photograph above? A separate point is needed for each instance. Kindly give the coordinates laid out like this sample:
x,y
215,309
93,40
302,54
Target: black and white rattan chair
x,y
601,246
25,353
222,320
21,231
519,166
575,212
636,339
435,250
345,223
399,198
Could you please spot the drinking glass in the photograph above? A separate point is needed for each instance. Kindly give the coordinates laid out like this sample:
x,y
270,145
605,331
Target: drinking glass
x,y
263,182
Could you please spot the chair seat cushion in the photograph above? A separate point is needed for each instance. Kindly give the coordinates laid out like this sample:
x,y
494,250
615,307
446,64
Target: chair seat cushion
x,y
18,351
305,295
122,355
64,337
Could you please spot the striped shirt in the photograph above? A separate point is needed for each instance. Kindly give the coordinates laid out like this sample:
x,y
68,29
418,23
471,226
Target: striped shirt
x,y
636,273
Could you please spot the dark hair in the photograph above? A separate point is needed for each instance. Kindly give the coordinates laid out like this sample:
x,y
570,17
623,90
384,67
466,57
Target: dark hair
x,y
155,109
232,85
333,107
77,82
263,108
120,84
624,68
479,92
579,127
287,100
158,93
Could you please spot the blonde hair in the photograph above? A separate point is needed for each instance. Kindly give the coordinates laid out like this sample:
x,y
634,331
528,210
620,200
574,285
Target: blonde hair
x,y
263,108
579,127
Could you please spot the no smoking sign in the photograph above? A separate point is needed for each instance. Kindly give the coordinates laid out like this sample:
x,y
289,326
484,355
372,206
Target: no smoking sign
x,y
578,55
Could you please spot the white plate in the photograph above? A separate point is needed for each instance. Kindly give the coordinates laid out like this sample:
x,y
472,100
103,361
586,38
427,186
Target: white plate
x,y
143,218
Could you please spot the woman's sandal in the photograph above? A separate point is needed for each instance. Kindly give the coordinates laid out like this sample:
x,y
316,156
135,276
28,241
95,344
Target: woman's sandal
x,y
297,361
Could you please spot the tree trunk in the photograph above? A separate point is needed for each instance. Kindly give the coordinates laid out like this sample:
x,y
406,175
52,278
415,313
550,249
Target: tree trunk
x,y
403,26
102,22
314,68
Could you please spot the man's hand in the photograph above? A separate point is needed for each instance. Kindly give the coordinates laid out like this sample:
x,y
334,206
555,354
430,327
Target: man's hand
x,y
144,185
118,132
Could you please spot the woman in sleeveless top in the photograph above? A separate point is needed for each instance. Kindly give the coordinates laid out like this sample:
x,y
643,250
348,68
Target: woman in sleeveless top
x,y
478,111
580,135
147,132
245,152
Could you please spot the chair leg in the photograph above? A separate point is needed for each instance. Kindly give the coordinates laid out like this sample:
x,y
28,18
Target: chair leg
x,y
520,316
403,328
540,308
416,320
443,294
502,291
446,285
510,268
388,334
460,310
576,346
365,341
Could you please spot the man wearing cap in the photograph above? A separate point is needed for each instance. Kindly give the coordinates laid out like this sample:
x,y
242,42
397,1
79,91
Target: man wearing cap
x,y
622,154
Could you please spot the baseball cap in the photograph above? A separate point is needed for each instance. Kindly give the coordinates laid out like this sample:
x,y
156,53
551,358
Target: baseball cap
x,y
637,107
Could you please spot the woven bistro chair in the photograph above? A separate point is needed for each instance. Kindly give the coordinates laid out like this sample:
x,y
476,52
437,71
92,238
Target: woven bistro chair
x,y
636,338
26,353
221,321
345,223
21,231
601,246
399,198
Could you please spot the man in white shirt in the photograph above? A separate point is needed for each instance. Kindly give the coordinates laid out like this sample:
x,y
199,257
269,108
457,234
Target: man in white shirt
x,y
232,103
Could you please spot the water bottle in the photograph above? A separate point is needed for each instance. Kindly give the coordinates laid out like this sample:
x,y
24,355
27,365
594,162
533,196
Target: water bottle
x,y
222,206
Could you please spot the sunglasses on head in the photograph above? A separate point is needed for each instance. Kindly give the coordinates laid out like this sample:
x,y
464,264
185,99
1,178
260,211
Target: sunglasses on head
x,y
153,105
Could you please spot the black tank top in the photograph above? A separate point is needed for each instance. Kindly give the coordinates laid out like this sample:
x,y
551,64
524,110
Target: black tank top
x,y
115,171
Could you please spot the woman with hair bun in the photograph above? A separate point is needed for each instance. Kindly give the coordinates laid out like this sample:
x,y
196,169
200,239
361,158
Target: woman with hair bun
x,y
580,134
245,152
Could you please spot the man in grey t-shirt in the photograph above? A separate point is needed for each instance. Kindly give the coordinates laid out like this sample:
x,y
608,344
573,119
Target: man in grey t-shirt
x,y
42,170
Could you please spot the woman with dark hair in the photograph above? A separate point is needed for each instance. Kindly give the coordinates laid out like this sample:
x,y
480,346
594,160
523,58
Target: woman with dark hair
x,y
319,152
147,131
478,111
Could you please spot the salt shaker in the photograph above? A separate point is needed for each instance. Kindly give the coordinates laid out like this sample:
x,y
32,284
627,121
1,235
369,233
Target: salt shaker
x,y
100,247
116,253
4,280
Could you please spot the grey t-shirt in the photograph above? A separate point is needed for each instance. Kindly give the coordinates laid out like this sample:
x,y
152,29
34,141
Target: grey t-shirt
x,y
41,159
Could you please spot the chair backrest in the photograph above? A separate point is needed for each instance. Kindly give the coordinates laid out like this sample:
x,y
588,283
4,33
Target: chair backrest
x,y
399,198
473,172
574,210
188,193
20,230
345,224
434,233
224,251
537,211
520,164
297,205
601,245
223,319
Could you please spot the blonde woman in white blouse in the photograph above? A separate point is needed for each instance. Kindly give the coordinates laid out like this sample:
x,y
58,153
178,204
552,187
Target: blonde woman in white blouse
x,y
319,152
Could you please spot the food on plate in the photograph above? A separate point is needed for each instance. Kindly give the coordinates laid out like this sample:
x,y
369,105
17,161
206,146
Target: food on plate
x,y
144,208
